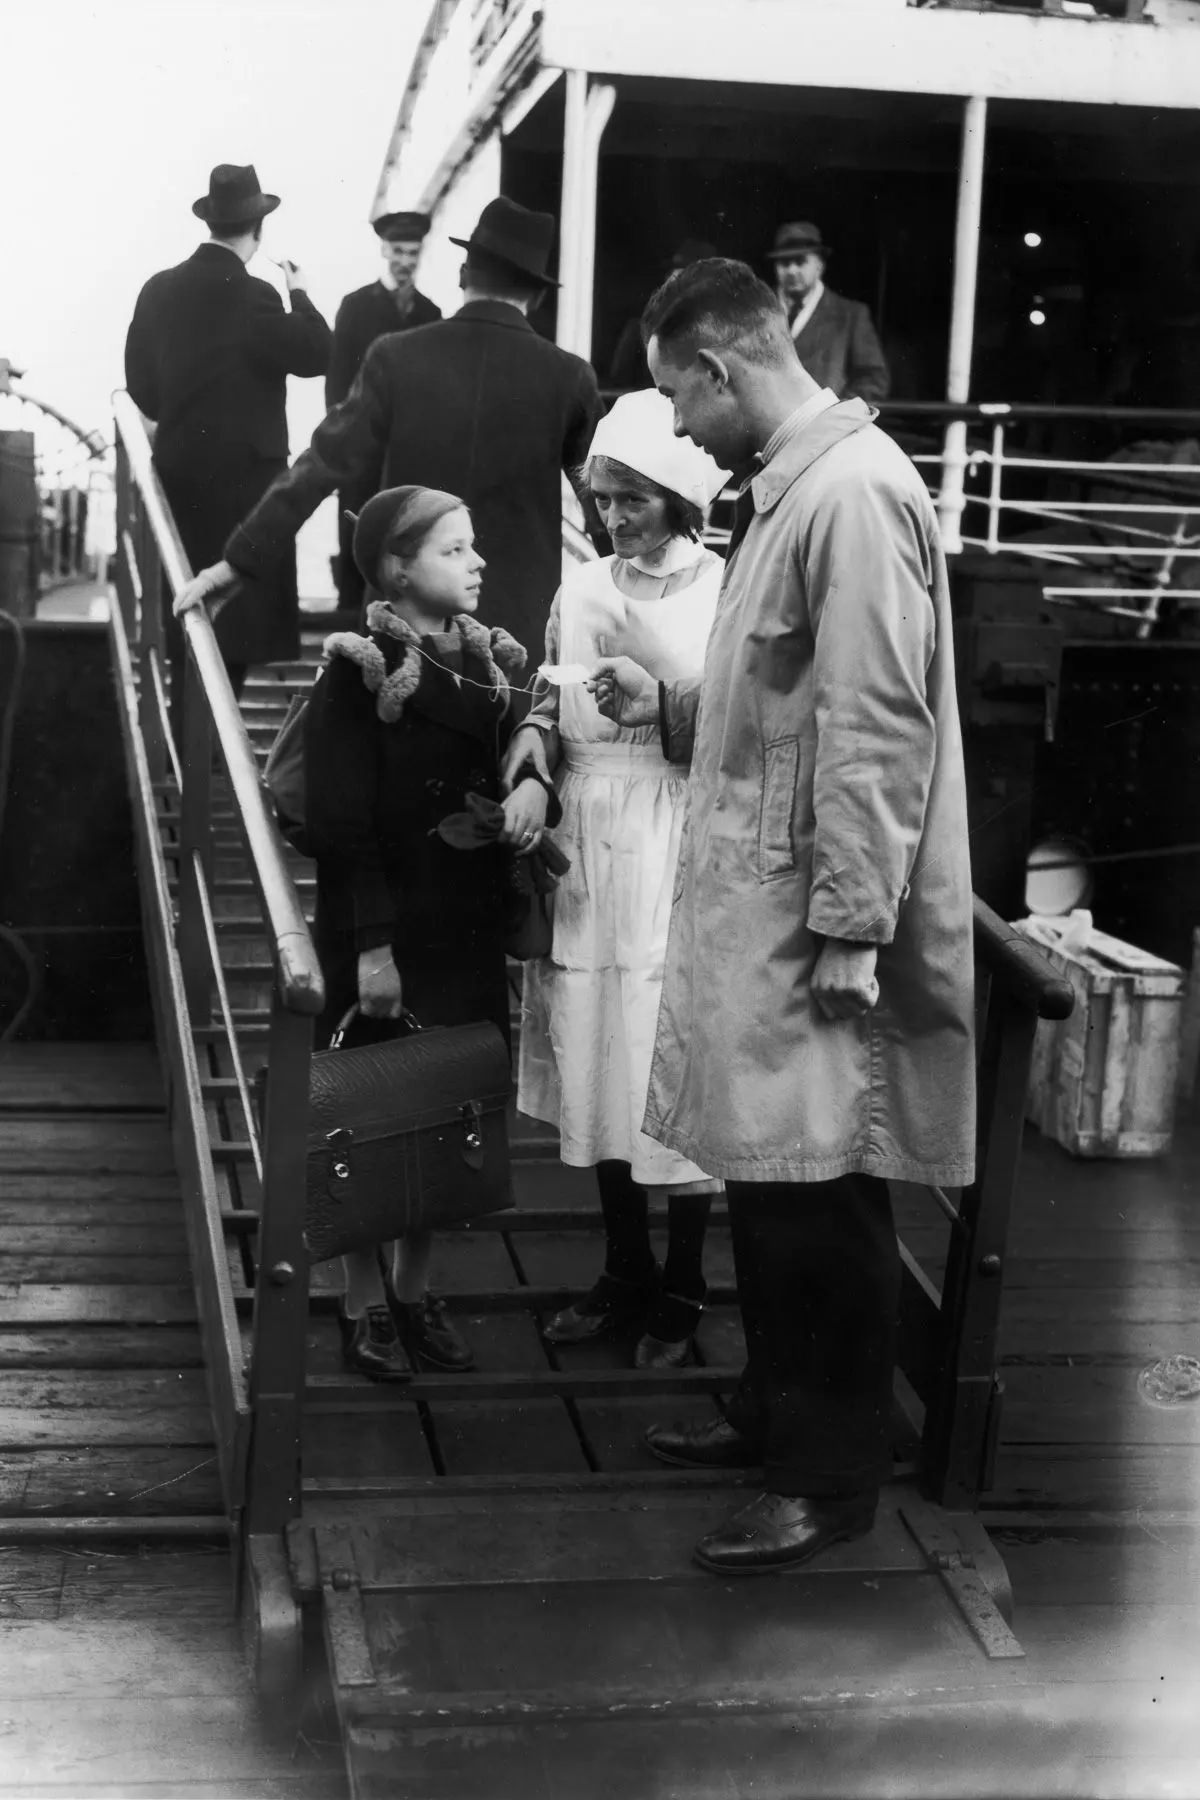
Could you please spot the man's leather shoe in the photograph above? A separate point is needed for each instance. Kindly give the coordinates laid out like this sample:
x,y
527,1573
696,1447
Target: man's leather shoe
x,y
370,1345
781,1531
713,1444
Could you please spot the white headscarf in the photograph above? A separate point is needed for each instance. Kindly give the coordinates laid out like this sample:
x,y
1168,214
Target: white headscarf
x,y
639,431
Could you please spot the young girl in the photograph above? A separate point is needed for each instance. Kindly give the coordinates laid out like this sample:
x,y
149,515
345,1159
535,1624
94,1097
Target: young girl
x,y
591,1007
403,724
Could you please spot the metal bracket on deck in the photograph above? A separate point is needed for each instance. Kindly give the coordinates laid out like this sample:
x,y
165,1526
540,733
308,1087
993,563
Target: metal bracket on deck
x,y
345,1620
972,1573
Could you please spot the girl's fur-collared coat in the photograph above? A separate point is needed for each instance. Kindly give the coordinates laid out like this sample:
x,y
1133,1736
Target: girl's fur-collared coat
x,y
393,744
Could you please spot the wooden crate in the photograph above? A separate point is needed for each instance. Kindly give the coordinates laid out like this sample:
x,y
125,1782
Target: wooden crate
x,y
1103,1081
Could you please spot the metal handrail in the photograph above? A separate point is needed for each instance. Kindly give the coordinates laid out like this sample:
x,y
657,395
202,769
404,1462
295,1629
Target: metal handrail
x,y
987,412
297,970
1027,976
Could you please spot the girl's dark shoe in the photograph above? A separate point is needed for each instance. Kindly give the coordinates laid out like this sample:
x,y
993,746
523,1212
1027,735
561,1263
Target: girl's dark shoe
x,y
370,1345
429,1337
670,1337
609,1305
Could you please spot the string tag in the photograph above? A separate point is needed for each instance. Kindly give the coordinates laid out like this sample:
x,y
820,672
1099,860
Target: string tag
x,y
565,674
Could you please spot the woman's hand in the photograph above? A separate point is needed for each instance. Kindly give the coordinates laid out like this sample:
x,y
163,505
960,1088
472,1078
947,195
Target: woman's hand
x,y
525,816
203,586
379,991
528,746
624,692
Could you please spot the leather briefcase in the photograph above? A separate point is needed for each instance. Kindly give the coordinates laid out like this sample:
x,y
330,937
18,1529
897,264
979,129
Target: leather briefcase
x,y
405,1135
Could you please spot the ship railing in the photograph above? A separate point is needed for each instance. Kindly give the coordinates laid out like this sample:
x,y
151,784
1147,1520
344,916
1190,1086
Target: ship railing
x,y
176,753
1117,534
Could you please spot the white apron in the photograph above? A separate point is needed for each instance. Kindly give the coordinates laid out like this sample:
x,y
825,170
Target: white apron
x,y
590,1010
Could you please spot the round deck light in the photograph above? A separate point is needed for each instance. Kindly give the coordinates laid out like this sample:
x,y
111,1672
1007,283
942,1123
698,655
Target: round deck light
x,y
1037,316
1033,239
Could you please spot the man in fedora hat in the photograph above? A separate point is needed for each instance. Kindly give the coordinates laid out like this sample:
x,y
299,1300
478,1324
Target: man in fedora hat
x,y
479,405
207,358
393,303
834,337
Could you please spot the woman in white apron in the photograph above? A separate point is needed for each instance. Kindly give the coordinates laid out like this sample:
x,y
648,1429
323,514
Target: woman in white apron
x,y
591,1007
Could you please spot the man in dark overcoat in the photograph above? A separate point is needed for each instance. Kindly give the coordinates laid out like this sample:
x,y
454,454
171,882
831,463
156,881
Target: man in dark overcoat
x,y
479,405
207,359
393,303
834,337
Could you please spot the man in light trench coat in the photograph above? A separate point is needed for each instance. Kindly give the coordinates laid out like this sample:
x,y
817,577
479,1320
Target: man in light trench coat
x,y
815,1035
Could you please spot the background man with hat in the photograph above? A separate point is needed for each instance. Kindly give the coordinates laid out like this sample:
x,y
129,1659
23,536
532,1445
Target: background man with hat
x,y
393,303
479,405
834,337
207,358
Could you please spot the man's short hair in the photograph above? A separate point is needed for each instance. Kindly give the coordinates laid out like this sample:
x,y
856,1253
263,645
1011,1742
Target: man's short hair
x,y
717,304
502,280
226,234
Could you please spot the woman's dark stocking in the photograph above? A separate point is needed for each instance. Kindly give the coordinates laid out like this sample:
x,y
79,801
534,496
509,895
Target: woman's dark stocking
x,y
628,1256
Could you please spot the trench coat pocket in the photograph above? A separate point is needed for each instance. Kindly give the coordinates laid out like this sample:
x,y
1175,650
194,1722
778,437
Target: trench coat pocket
x,y
776,846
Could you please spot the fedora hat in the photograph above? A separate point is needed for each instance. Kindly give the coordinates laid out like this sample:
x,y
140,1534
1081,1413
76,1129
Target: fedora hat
x,y
402,227
234,197
518,237
798,239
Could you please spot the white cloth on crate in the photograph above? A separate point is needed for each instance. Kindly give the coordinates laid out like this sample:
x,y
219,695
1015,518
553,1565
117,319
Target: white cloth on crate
x,y
590,1010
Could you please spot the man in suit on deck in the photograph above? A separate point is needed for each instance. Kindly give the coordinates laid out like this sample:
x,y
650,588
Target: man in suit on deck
x,y
207,358
479,405
393,303
834,337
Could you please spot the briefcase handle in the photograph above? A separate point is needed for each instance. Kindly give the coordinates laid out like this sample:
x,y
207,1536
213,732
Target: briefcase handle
x,y
348,1017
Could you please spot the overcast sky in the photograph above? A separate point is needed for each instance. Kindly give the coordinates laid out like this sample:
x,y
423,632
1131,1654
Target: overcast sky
x,y
112,116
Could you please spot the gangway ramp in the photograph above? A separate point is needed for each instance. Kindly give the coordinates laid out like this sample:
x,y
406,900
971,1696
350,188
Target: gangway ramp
x,y
496,1569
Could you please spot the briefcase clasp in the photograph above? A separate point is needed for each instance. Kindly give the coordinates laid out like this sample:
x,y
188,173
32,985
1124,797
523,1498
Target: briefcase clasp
x,y
471,1114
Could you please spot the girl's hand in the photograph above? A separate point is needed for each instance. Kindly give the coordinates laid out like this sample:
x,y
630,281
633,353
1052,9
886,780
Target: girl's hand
x,y
379,991
528,746
525,816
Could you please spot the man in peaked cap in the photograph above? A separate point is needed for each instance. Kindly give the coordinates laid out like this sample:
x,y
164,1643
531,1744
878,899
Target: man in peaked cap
x,y
393,303
834,337
207,358
479,405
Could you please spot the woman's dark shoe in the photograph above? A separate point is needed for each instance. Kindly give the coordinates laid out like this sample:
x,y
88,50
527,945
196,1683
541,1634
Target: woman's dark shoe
x,y
608,1306
429,1337
664,1353
370,1345
669,1341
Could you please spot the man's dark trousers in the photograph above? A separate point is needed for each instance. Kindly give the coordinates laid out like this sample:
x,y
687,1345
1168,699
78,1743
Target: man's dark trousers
x,y
818,1273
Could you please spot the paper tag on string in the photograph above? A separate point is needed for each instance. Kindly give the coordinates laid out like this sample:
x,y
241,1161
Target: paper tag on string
x,y
565,674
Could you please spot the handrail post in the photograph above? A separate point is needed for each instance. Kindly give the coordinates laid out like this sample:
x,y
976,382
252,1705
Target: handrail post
x,y
149,649
993,531
195,841
126,577
277,1366
952,497
960,1424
